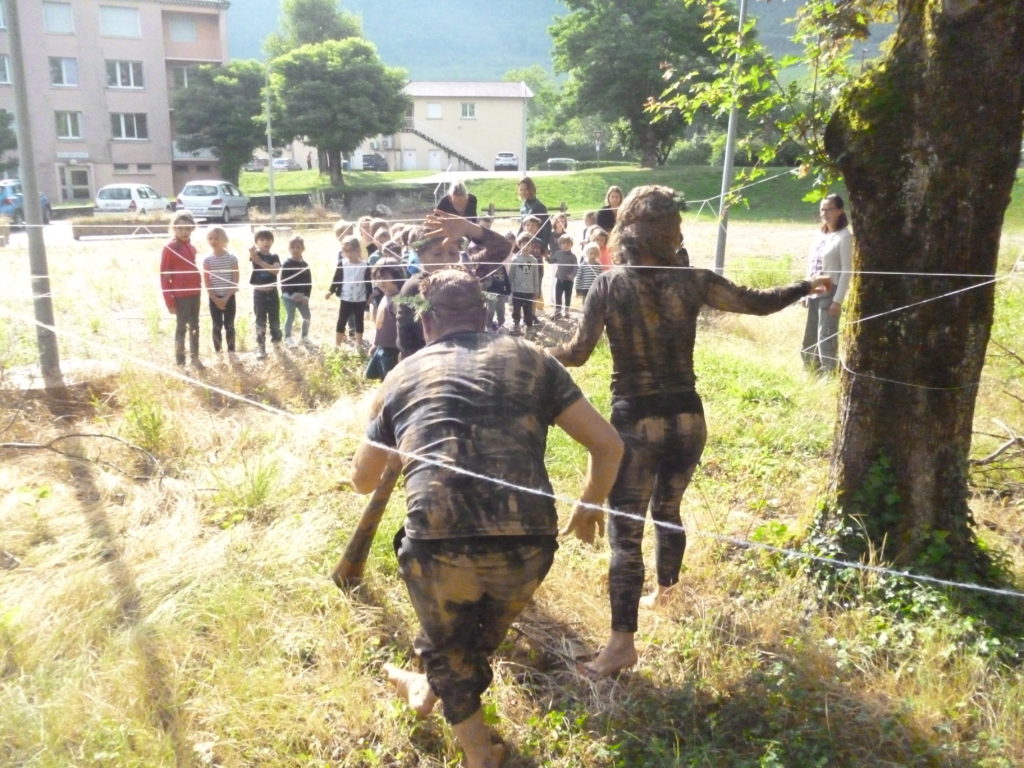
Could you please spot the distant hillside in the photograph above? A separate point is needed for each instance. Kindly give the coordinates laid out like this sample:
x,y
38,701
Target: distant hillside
x,y
465,39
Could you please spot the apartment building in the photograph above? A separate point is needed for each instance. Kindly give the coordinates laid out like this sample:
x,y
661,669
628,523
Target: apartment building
x,y
100,74
457,126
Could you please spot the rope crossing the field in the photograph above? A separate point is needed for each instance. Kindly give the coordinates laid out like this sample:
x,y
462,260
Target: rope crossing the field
x,y
116,352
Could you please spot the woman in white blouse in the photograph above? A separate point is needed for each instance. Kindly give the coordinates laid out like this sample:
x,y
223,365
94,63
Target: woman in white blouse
x,y
832,255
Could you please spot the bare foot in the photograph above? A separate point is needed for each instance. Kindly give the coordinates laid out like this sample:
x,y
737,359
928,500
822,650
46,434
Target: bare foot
x,y
660,596
413,688
482,747
617,655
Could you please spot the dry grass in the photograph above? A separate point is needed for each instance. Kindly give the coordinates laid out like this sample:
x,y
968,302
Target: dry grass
x,y
179,613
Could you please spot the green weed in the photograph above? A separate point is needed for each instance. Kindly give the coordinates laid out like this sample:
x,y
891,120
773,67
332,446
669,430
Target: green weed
x,y
251,494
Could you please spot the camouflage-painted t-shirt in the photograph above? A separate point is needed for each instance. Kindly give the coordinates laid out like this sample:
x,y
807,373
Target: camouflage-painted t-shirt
x,y
484,404
651,318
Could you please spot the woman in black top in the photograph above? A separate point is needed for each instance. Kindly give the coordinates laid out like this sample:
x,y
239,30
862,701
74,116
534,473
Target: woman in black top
x,y
459,202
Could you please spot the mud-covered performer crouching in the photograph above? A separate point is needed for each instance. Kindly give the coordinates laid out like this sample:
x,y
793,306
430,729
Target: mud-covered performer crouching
x,y
651,318
473,550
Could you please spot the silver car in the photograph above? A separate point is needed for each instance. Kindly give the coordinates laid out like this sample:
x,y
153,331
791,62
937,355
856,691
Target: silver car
x,y
213,199
131,198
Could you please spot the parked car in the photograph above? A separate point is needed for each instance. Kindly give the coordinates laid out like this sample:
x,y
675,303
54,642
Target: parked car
x,y
506,161
374,161
255,164
285,164
213,199
12,202
131,198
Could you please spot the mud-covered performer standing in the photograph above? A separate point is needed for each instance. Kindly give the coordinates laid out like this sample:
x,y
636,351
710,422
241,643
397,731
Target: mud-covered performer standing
x,y
649,305
473,550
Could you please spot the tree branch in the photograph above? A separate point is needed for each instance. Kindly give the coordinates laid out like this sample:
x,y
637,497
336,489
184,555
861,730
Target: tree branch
x,y
51,446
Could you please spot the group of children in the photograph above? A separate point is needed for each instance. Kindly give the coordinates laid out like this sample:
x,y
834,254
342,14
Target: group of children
x,y
375,259
183,279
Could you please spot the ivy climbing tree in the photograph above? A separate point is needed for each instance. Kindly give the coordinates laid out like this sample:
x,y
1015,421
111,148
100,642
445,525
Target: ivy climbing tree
x,y
927,141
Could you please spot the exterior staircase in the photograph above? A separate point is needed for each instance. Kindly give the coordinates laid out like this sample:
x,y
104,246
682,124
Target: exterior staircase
x,y
408,128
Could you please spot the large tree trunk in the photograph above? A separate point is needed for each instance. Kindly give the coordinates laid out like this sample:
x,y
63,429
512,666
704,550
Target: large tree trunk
x,y
335,161
928,143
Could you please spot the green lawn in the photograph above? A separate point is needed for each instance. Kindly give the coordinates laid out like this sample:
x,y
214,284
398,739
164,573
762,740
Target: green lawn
x,y
778,197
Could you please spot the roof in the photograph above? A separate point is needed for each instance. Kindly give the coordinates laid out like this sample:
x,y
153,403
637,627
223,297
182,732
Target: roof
x,y
469,89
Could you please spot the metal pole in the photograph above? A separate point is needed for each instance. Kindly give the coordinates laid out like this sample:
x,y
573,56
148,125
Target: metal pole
x,y
730,150
46,338
270,155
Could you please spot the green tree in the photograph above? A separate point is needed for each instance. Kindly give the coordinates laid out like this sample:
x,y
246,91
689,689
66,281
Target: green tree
x,y
616,53
221,110
929,159
335,94
8,139
311,21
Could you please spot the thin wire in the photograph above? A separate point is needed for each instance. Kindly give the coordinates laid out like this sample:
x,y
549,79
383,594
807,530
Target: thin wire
x,y
117,352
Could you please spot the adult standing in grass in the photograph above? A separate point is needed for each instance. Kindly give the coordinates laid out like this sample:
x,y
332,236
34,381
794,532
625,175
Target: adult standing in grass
x,y
182,286
531,206
832,255
612,201
649,304
473,550
458,202
437,246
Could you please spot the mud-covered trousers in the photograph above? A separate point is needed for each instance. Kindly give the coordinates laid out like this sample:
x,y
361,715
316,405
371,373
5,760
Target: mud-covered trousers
x,y
466,593
661,454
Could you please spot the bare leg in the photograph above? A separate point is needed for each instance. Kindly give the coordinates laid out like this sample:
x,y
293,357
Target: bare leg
x,y
476,741
338,338
619,653
413,688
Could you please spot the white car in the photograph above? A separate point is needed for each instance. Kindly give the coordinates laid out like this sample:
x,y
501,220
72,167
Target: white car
x,y
506,161
285,164
131,198
213,199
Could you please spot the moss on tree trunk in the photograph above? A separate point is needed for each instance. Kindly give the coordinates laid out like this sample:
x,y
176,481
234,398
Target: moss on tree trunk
x,y
928,144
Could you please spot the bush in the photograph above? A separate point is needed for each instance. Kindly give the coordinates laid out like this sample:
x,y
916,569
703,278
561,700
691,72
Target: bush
x,y
695,151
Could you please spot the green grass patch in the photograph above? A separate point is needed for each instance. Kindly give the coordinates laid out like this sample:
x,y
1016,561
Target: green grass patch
x,y
298,182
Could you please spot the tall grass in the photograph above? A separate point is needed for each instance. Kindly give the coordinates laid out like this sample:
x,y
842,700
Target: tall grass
x,y
188,619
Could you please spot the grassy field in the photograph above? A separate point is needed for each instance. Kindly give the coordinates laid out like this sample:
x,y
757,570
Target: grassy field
x,y
166,535
778,196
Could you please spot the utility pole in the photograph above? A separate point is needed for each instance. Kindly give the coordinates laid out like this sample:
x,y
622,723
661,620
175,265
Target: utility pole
x,y
730,150
270,156
46,338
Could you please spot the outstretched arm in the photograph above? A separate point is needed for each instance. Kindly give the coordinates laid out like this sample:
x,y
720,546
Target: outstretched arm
x,y
578,350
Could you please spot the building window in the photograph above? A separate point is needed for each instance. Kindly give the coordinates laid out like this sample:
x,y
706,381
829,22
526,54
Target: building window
x,y
121,167
129,125
144,167
5,66
124,74
433,110
116,21
202,167
69,125
180,75
182,28
468,110
57,18
63,71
